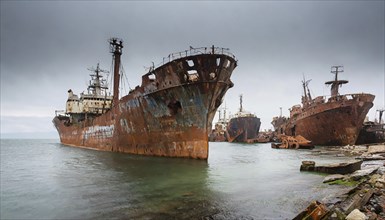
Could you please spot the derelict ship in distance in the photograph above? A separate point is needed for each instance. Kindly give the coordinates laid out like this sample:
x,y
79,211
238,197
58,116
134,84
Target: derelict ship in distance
x,y
170,114
219,133
243,127
335,121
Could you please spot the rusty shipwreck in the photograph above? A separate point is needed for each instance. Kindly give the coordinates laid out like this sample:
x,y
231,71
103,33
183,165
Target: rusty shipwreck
x,y
219,134
170,114
336,120
243,127
372,131
279,123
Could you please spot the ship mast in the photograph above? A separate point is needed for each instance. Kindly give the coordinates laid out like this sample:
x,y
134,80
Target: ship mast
x,y
307,97
224,113
380,111
240,103
96,85
336,83
116,46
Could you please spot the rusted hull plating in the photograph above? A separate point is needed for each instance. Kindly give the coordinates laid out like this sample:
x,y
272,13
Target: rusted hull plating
x,y
243,129
332,123
217,137
170,114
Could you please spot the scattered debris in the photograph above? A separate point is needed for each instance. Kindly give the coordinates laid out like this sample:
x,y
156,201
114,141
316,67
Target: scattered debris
x,y
290,142
338,168
356,200
314,211
265,136
364,198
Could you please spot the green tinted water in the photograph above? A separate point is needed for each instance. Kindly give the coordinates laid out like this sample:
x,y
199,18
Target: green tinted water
x,y
42,179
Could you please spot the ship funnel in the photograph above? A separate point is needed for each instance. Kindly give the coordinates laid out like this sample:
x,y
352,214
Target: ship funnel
x,y
70,93
336,83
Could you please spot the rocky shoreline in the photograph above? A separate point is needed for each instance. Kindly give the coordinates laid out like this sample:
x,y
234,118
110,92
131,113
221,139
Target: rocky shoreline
x,y
364,197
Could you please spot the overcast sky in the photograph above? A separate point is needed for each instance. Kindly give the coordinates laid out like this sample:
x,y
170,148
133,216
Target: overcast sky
x,y
46,48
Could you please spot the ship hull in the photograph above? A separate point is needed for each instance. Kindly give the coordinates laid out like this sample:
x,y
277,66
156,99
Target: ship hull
x,y
217,137
169,115
243,129
371,133
335,123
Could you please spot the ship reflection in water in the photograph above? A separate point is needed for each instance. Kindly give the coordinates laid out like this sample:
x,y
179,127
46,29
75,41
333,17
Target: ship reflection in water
x,y
44,179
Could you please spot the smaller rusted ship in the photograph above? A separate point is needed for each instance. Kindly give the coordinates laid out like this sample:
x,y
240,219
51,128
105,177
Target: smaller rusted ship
x,y
243,126
279,123
372,131
218,134
336,120
265,136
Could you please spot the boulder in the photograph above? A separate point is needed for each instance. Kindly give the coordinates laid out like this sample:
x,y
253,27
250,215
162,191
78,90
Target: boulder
x,y
356,215
358,150
376,149
333,177
307,165
381,170
367,157
374,178
379,185
363,173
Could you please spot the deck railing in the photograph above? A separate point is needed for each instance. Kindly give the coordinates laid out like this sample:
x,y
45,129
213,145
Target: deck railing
x,y
327,98
194,51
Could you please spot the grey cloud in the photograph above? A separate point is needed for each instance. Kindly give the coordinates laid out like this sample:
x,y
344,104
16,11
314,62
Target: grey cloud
x,y
46,47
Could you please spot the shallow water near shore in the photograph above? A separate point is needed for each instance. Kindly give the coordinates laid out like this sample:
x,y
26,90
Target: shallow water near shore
x,y
43,179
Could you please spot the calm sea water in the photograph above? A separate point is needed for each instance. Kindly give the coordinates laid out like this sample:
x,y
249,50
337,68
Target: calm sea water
x,y
43,179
